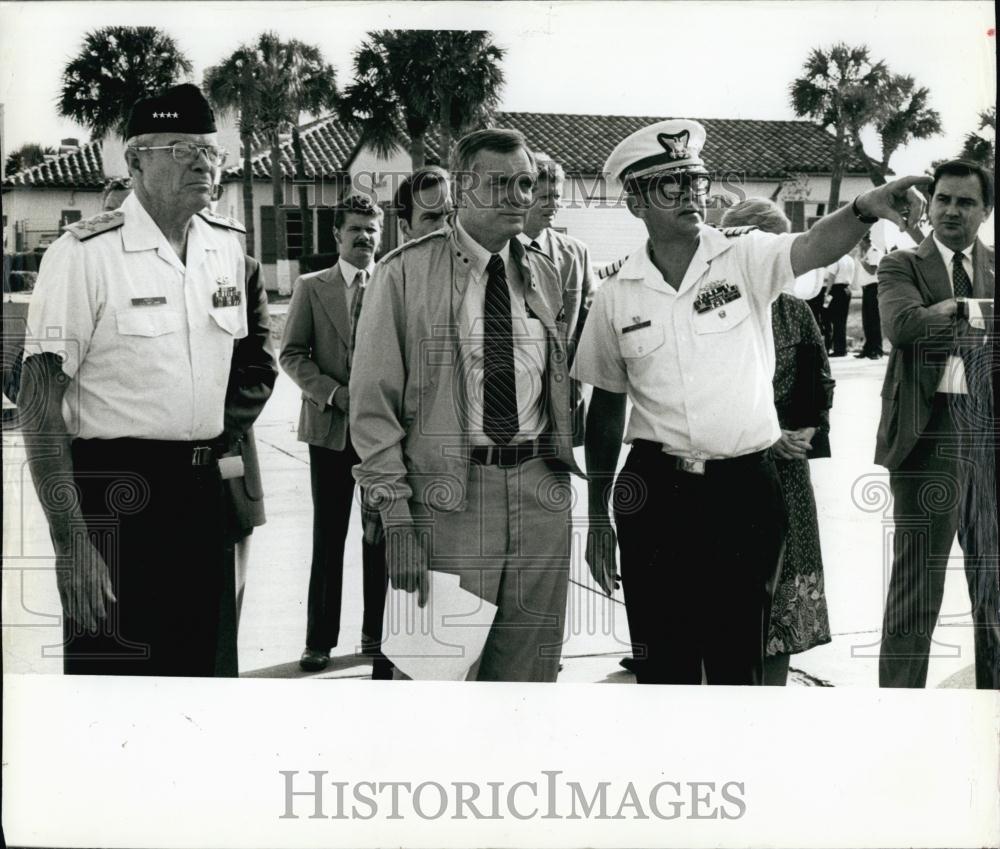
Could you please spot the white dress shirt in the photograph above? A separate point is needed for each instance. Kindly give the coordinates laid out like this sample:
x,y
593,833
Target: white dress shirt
x,y
953,376
542,240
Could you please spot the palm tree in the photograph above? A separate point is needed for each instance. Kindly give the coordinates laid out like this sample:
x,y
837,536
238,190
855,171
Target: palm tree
x,y
26,156
231,88
420,80
899,112
836,91
981,146
467,83
393,88
291,78
116,66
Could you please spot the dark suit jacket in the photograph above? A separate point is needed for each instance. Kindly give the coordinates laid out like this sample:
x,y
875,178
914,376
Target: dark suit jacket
x,y
253,370
251,378
910,281
315,353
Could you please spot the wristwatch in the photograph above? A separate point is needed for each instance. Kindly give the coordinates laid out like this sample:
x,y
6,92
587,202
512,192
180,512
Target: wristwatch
x,y
864,219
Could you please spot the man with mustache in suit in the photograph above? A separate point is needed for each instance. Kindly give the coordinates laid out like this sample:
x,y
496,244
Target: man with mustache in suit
x,y
316,353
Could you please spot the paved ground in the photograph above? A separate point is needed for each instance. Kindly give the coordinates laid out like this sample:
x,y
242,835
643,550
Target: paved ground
x,y
850,490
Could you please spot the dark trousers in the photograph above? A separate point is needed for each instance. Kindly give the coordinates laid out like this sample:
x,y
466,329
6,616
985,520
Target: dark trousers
x,y
930,490
836,316
819,313
871,321
333,494
699,558
157,521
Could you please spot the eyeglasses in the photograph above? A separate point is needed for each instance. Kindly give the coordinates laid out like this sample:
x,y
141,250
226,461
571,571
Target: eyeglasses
x,y
672,188
187,152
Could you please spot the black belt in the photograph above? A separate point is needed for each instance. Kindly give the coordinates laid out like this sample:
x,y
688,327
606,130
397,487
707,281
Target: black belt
x,y
160,451
705,467
509,456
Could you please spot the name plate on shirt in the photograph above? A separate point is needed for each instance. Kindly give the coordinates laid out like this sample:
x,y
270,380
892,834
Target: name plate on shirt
x,y
715,295
641,325
149,302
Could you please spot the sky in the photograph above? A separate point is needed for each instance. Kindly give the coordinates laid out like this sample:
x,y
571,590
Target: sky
x,y
677,59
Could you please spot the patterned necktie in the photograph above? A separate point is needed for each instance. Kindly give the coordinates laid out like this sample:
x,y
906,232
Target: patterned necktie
x,y
500,421
356,301
959,278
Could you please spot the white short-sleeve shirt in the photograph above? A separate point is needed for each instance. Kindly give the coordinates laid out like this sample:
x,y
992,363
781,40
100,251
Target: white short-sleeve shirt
x,y
145,339
696,363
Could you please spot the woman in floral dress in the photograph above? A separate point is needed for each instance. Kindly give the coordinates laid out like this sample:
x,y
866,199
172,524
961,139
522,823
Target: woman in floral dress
x,y
803,394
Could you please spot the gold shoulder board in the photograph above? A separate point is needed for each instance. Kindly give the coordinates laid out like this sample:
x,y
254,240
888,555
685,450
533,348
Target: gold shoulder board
x,y
101,223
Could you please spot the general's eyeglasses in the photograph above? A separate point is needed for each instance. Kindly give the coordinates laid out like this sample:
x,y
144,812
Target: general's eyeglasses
x,y
187,152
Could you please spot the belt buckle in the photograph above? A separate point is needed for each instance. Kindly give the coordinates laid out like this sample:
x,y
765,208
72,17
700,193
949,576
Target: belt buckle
x,y
502,453
693,467
201,456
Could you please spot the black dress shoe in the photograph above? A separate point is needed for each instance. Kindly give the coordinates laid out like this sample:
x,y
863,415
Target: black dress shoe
x,y
874,356
860,355
314,660
382,668
629,663
370,647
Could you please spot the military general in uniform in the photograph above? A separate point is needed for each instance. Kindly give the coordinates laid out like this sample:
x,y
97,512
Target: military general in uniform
x,y
682,329
138,376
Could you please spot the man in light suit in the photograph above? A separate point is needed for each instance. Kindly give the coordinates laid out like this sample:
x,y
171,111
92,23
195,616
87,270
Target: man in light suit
x,y
461,413
923,434
571,258
316,353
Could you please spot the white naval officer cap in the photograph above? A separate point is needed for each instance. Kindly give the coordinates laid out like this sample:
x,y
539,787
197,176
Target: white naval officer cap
x,y
666,147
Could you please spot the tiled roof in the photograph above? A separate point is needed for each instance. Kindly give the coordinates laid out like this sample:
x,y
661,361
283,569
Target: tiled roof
x,y
327,144
762,149
580,143
76,169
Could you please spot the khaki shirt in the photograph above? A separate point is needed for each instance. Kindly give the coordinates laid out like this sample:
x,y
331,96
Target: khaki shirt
x,y
139,333
409,391
697,362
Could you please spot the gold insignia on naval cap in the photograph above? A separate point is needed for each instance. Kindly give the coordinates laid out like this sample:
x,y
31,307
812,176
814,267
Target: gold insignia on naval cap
x,y
672,146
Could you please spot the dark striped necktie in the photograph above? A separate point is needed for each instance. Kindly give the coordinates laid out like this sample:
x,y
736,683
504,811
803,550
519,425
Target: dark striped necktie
x,y
500,420
356,302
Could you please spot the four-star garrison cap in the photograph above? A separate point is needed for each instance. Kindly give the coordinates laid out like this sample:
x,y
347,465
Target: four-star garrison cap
x,y
671,147
179,109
